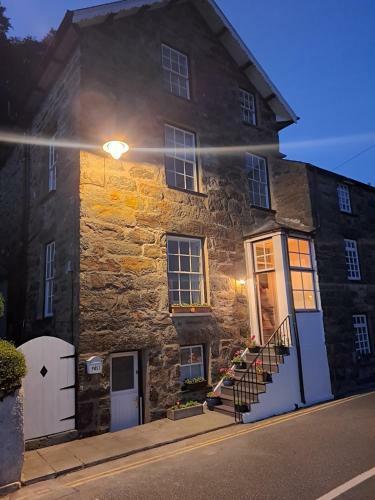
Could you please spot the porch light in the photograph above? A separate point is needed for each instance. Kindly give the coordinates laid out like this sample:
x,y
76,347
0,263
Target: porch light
x,y
116,148
241,282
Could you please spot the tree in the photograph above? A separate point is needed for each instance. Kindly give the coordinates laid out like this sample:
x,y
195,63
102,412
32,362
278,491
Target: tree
x,y
4,24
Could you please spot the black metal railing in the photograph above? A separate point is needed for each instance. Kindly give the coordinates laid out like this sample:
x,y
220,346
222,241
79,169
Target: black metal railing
x,y
266,362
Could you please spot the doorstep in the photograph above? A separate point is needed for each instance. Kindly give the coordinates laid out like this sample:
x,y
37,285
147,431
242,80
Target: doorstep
x,y
46,463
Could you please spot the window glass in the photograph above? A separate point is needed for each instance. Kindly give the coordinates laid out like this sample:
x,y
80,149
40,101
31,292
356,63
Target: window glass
x,y
122,373
343,196
301,274
352,260
258,180
361,337
191,362
247,106
180,161
175,71
264,257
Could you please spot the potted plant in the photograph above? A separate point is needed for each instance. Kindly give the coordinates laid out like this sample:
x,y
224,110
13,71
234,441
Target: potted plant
x,y
228,376
213,399
281,347
194,384
238,361
266,376
184,410
190,308
252,345
241,406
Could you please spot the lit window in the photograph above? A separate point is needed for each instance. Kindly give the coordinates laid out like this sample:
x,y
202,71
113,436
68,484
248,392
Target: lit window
x,y
258,180
52,157
361,338
247,104
180,161
49,275
352,260
264,260
301,274
343,196
176,71
191,362
185,271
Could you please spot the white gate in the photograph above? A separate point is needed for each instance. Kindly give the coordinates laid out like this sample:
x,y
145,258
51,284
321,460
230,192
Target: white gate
x,y
49,391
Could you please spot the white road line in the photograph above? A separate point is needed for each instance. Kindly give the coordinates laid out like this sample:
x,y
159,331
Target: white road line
x,y
348,485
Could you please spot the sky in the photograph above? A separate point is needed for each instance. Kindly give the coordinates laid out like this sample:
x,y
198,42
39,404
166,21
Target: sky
x,y
320,54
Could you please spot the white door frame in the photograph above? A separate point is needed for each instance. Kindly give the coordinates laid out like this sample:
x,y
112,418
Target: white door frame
x,y
129,392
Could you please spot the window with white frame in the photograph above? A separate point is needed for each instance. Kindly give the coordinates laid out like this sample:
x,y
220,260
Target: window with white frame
x,y
247,104
301,274
52,162
185,271
175,71
361,337
352,260
180,160
192,362
343,196
257,174
49,276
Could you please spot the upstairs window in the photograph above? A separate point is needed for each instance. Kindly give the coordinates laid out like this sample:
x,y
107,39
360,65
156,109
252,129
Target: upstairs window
x,y
352,260
361,338
192,364
180,161
175,71
343,195
49,276
257,174
301,274
52,157
247,104
185,271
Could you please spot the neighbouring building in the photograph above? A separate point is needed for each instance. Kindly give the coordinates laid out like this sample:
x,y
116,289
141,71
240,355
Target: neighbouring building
x,y
125,277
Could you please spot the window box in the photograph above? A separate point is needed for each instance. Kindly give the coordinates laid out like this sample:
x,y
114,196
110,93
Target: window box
x,y
194,386
191,411
179,309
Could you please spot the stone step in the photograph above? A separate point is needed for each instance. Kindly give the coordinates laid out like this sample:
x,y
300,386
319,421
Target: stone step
x,y
271,368
227,410
250,357
257,388
256,377
229,401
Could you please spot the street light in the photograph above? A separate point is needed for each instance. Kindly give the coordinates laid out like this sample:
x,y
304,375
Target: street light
x,y
116,148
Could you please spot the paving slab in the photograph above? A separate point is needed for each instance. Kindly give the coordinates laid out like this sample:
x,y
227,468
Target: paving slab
x,y
66,457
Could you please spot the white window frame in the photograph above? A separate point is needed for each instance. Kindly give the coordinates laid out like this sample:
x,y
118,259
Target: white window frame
x,y
352,260
183,275
52,165
303,269
49,277
201,364
361,336
175,71
180,159
247,104
257,174
343,196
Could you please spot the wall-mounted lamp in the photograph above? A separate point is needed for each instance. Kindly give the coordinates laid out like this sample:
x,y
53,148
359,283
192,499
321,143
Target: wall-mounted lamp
x,y
241,282
116,148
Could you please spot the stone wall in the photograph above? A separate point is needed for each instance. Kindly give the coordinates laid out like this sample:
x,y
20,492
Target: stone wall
x,y
342,298
127,210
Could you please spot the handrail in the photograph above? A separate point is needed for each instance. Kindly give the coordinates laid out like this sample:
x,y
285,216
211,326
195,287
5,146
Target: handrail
x,y
247,387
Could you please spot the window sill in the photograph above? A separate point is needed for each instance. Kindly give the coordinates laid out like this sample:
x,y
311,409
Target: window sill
x,y
263,209
190,314
297,311
187,191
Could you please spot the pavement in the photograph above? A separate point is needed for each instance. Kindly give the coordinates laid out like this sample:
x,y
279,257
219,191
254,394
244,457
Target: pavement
x,y
46,463
323,452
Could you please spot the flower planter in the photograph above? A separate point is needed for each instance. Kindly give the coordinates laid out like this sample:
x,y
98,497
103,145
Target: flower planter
x,y
242,408
256,349
281,350
211,402
266,377
228,383
240,366
191,411
195,387
190,309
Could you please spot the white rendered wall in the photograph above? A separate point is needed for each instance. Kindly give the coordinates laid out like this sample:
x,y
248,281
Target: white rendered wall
x,y
281,395
316,377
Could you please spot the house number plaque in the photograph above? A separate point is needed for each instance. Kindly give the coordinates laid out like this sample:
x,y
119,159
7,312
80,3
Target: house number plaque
x,y
94,365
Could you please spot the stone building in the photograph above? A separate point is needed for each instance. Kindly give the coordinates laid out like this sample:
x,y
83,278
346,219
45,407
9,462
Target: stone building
x,y
344,220
163,263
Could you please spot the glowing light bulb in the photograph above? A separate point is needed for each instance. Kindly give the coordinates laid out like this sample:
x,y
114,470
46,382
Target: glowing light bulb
x,y
116,148
242,282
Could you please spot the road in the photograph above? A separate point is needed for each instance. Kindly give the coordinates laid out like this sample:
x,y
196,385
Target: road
x,y
302,455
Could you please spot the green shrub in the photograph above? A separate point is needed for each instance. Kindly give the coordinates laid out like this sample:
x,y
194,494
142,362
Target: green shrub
x,y
12,368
